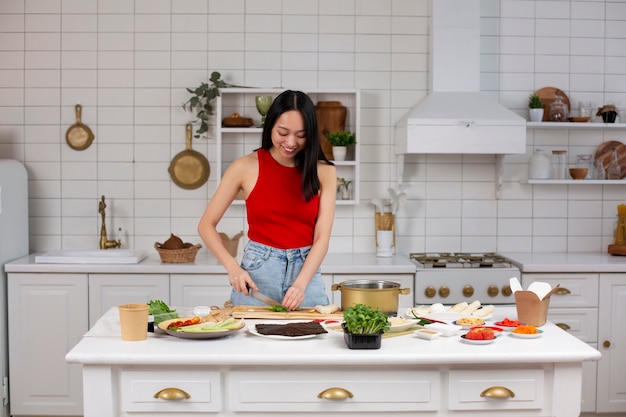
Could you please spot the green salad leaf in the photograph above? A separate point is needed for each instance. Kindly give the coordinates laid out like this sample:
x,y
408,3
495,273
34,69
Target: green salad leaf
x,y
363,319
159,307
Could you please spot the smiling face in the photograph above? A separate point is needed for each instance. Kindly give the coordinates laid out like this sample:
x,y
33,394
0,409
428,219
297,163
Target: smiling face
x,y
288,137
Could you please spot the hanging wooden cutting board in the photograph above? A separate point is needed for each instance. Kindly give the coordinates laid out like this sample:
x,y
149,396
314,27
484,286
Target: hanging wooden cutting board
x,y
189,169
79,136
604,153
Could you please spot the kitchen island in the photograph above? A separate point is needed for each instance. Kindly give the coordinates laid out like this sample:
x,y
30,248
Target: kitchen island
x,y
248,375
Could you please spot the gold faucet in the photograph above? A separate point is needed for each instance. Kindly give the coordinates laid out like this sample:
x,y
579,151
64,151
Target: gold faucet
x,y
104,242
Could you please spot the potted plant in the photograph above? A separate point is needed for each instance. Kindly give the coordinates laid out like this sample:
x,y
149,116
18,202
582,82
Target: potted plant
x,y
363,327
202,98
535,108
340,141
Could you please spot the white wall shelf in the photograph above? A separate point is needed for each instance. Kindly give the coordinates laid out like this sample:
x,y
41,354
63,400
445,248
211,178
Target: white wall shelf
x,y
233,142
579,182
570,125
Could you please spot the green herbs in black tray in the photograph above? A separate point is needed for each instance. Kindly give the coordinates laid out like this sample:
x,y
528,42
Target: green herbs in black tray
x,y
363,319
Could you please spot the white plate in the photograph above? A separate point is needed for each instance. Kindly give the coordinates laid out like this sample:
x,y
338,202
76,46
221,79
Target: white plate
x,y
399,324
252,330
527,336
476,342
446,317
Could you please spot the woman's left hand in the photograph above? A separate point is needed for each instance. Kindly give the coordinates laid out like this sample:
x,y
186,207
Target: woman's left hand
x,y
293,298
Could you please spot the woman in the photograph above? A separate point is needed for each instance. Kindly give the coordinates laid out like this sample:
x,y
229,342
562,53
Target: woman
x,y
289,187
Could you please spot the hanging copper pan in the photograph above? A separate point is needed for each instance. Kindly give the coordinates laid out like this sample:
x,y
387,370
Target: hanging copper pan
x,y
79,136
189,169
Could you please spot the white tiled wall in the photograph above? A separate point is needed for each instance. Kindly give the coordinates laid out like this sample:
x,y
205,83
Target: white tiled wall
x,y
128,63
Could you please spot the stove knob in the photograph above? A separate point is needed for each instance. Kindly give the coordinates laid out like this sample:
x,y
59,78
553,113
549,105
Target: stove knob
x,y
506,291
430,291
444,291
468,291
493,290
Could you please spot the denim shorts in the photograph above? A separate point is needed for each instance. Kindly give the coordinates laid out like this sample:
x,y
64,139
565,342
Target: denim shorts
x,y
274,271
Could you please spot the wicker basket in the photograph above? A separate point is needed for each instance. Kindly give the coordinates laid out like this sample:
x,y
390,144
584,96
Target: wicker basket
x,y
178,256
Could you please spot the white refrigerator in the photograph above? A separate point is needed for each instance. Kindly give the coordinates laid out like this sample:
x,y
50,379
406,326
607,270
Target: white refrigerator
x,y
13,245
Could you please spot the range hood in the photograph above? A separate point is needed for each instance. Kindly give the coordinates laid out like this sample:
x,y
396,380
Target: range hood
x,y
455,117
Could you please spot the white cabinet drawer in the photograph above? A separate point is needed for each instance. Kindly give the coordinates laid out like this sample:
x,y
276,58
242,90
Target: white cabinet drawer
x,y
579,322
138,389
577,290
468,389
371,390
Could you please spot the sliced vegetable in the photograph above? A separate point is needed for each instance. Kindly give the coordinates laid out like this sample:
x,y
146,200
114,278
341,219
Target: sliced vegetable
x,y
220,326
278,309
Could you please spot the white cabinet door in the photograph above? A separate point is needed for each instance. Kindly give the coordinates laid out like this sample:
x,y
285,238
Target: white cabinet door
x,y
611,393
47,317
109,290
199,290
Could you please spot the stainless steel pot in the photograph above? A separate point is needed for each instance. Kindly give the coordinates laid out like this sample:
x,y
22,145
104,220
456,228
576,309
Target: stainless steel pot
x,y
382,295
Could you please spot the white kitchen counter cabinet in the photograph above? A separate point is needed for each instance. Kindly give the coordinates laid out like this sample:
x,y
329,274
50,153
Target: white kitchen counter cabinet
x,y
45,384
248,375
590,307
47,317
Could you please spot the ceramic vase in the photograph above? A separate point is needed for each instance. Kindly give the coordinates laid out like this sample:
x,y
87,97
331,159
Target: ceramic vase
x,y
339,153
536,115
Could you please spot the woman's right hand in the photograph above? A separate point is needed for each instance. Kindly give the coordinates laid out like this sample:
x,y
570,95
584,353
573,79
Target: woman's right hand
x,y
240,281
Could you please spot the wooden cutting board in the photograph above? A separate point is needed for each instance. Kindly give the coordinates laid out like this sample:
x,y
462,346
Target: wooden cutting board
x,y
604,152
261,312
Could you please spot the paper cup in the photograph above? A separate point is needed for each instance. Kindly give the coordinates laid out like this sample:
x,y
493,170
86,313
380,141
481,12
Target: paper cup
x,y
134,321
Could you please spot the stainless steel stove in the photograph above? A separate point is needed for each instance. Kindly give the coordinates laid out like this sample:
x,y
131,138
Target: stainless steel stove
x,y
451,278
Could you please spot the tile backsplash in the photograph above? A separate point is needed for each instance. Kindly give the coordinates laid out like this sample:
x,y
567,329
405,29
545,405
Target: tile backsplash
x,y
129,62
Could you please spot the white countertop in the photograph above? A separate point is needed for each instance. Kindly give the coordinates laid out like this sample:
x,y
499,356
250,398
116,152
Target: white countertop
x,y
567,262
244,348
336,263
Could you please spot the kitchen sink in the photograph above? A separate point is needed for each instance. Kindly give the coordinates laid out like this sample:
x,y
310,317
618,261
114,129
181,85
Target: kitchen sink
x,y
73,256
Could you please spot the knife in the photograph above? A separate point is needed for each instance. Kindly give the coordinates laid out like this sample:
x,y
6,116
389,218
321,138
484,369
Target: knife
x,y
262,297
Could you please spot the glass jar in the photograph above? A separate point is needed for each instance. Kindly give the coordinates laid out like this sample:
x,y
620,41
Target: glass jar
x,y
558,165
539,168
558,111
614,170
599,173
586,161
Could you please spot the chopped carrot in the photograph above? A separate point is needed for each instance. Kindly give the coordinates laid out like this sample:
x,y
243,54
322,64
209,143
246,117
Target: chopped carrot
x,y
525,329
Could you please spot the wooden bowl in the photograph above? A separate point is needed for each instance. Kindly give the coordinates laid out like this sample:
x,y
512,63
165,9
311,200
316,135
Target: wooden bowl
x,y
578,173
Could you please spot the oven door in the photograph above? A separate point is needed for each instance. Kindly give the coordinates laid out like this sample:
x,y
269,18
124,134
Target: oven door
x,y
454,285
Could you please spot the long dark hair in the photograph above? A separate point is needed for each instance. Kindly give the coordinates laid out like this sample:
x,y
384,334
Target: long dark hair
x,y
306,159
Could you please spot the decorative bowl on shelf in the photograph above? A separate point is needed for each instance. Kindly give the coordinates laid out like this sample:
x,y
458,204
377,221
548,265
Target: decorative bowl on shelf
x,y
579,119
578,173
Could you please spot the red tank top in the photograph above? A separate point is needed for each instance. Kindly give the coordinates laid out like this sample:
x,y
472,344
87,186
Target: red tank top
x,y
278,215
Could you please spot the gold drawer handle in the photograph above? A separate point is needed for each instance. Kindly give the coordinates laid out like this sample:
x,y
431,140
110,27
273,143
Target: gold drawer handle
x,y
497,392
172,394
335,393
564,326
562,291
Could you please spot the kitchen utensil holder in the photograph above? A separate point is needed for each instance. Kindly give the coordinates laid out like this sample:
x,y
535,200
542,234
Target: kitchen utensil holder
x,y
385,233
